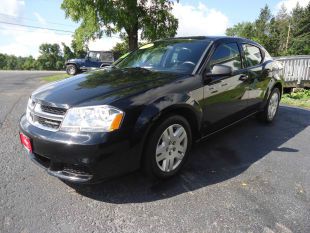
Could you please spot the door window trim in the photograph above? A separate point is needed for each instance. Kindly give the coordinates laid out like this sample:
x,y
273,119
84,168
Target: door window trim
x,y
212,50
244,58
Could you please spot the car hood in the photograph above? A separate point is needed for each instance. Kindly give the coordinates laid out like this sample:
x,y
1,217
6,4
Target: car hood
x,y
101,86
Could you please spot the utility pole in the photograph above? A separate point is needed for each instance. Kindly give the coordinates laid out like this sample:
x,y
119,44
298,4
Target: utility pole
x,y
288,37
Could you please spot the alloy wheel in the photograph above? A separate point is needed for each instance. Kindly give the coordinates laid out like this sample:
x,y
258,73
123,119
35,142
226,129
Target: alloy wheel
x,y
71,70
273,105
171,148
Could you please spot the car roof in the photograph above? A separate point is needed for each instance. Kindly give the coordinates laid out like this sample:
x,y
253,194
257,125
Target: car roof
x,y
214,39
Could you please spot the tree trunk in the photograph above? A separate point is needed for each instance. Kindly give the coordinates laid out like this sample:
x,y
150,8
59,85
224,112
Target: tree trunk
x,y
133,39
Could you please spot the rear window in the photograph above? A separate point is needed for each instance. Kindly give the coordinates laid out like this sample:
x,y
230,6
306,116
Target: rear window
x,y
252,55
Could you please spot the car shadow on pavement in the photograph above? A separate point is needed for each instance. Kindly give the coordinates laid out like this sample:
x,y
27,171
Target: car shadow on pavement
x,y
218,158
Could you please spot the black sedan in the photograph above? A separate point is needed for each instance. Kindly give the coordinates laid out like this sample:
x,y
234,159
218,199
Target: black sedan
x,y
146,111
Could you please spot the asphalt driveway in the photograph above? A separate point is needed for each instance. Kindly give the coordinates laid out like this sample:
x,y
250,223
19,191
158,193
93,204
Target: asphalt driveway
x,y
249,178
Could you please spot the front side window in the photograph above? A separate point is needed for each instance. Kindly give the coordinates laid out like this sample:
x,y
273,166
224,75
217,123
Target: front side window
x,y
226,54
94,56
178,55
252,55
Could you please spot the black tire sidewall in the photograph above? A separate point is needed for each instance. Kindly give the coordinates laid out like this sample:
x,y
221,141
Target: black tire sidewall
x,y
150,165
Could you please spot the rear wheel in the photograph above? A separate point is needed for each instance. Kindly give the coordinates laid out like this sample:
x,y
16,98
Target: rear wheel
x,y
71,69
168,147
271,109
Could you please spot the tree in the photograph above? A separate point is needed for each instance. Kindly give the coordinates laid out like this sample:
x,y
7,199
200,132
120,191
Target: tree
x,y
244,29
283,34
152,17
262,27
300,31
2,61
282,24
67,52
78,51
121,48
50,58
29,63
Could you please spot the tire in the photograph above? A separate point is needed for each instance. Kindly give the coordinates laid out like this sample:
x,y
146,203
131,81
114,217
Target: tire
x,y
71,69
165,156
272,106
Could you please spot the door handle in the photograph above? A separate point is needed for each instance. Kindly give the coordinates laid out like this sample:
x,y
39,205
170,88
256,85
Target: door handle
x,y
243,77
224,84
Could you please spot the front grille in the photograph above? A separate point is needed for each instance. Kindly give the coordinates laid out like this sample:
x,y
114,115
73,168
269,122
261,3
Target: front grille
x,y
45,116
53,110
48,122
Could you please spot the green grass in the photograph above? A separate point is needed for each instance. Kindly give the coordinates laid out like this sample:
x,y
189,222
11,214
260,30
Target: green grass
x,y
300,98
55,77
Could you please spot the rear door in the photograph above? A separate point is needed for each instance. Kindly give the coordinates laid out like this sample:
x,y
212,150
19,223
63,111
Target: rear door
x,y
224,97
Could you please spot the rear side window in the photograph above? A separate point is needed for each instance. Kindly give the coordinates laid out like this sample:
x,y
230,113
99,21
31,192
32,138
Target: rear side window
x,y
252,55
226,54
108,57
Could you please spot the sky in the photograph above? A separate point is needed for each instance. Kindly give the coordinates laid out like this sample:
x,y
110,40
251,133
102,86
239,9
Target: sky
x,y
203,17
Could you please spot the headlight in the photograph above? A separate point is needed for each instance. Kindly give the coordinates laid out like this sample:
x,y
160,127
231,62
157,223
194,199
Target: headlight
x,y
101,118
30,107
30,104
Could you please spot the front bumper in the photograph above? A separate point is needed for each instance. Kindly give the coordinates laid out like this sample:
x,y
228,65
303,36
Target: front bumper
x,y
83,157
75,177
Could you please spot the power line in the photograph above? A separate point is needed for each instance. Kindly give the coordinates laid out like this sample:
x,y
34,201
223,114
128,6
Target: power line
x,y
33,20
27,30
36,27
45,28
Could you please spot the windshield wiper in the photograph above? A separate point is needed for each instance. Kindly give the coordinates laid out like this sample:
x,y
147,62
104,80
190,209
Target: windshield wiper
x,y
140,68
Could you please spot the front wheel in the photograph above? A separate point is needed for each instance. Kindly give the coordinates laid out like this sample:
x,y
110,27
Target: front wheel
x,y
271,109
168,147
71,69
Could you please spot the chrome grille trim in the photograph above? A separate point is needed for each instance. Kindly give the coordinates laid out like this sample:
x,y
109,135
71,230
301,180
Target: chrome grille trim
x,y
43,120
38,111
53,110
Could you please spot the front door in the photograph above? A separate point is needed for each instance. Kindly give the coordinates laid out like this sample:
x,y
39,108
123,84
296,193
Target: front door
x,y
94,60
224,96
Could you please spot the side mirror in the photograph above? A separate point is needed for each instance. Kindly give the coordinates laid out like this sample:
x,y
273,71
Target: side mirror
x,y
220,70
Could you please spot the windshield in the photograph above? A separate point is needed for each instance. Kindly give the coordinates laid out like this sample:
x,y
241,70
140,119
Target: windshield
x,y
178,55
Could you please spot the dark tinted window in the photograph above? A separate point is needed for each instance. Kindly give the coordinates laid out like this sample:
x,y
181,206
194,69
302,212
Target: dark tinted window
x,y
106,56
252,55
226,54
